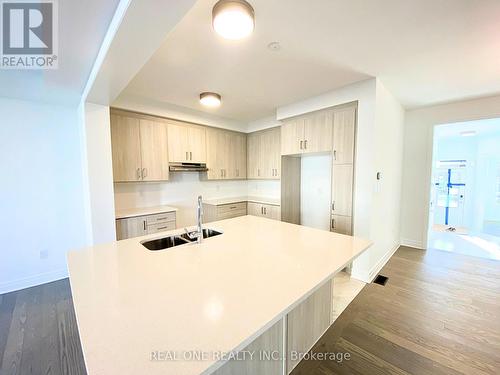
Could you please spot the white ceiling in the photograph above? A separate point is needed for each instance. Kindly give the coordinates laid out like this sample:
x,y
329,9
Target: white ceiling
x,y
425,52
82,27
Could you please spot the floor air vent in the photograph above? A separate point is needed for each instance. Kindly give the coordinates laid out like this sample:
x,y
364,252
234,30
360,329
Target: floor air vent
x,y
381,280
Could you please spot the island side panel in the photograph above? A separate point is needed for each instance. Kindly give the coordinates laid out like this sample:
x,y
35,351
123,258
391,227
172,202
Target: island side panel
x,y
307,322
270,343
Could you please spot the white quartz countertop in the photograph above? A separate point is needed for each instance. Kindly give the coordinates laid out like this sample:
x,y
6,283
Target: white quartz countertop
x,y
133,212
250,198
215,296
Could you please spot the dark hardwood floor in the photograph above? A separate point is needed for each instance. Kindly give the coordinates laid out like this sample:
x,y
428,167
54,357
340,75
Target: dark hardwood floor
x,y
439,313
38,332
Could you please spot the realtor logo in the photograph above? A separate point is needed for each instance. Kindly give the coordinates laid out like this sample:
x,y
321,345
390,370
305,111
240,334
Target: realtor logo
x,y
29,34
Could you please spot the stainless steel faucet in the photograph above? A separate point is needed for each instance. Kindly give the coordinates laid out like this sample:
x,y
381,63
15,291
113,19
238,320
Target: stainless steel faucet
x,y
198,234
199,219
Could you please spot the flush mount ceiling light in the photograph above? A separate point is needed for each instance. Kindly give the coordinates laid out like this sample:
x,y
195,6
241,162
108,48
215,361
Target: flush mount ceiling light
x,y
468,133
210,99
233,19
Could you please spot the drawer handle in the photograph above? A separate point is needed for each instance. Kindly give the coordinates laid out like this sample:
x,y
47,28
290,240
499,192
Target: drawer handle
x,y
233,207
162,228
161,218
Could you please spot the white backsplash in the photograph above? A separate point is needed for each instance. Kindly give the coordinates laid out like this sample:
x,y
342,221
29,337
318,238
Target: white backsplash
x,y
182,191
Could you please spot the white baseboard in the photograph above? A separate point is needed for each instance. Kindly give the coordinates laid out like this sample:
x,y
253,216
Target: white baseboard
x,y
26,282
382,262
368,278
412,243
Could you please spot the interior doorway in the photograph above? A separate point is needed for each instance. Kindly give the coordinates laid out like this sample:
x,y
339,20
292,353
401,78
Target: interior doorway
x,y
464,214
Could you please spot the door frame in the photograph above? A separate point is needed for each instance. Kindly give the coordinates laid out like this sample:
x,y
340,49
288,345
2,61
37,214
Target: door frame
x,y
428,175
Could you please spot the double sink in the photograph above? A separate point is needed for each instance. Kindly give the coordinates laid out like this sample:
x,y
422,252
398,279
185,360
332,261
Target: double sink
x,y
177,240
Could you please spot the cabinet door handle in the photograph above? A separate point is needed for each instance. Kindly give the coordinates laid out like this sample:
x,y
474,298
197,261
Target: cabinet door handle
x,y
262,210
333,206
190,155
187,155
138,172
301,142
258,172
144,173
334,154
144,223
221,173
237,173
333,223
265,210
305,144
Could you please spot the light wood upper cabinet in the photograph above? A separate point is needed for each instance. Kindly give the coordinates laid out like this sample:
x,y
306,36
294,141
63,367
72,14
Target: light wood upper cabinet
x,y
139,148
197,144
226,151
307,134
264,158
292,136
186,143
238,160
343,135
318,130
154,151
126,148
254,154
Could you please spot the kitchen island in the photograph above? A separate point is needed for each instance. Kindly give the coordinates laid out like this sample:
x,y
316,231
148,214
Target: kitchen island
x,y
182,310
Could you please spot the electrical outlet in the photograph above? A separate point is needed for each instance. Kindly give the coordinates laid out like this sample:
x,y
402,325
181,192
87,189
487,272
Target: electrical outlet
x,y
44,254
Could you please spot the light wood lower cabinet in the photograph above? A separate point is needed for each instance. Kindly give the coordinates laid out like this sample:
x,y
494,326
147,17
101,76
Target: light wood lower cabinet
x,y
341,224
224,211
299,330
267,344
142,225
264,210
307,322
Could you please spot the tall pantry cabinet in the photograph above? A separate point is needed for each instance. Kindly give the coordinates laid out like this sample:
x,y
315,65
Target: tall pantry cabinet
x,y
344,129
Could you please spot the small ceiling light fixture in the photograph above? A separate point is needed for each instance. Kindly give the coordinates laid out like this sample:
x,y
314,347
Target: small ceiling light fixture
x,y
210,99
233,19
468,133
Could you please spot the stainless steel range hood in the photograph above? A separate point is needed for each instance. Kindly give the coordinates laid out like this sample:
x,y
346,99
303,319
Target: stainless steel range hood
x,y
188,167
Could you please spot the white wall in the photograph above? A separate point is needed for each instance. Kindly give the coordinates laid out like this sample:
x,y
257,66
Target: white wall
x,y
99,173
386,198
43,207
419,125
315,191
181,192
